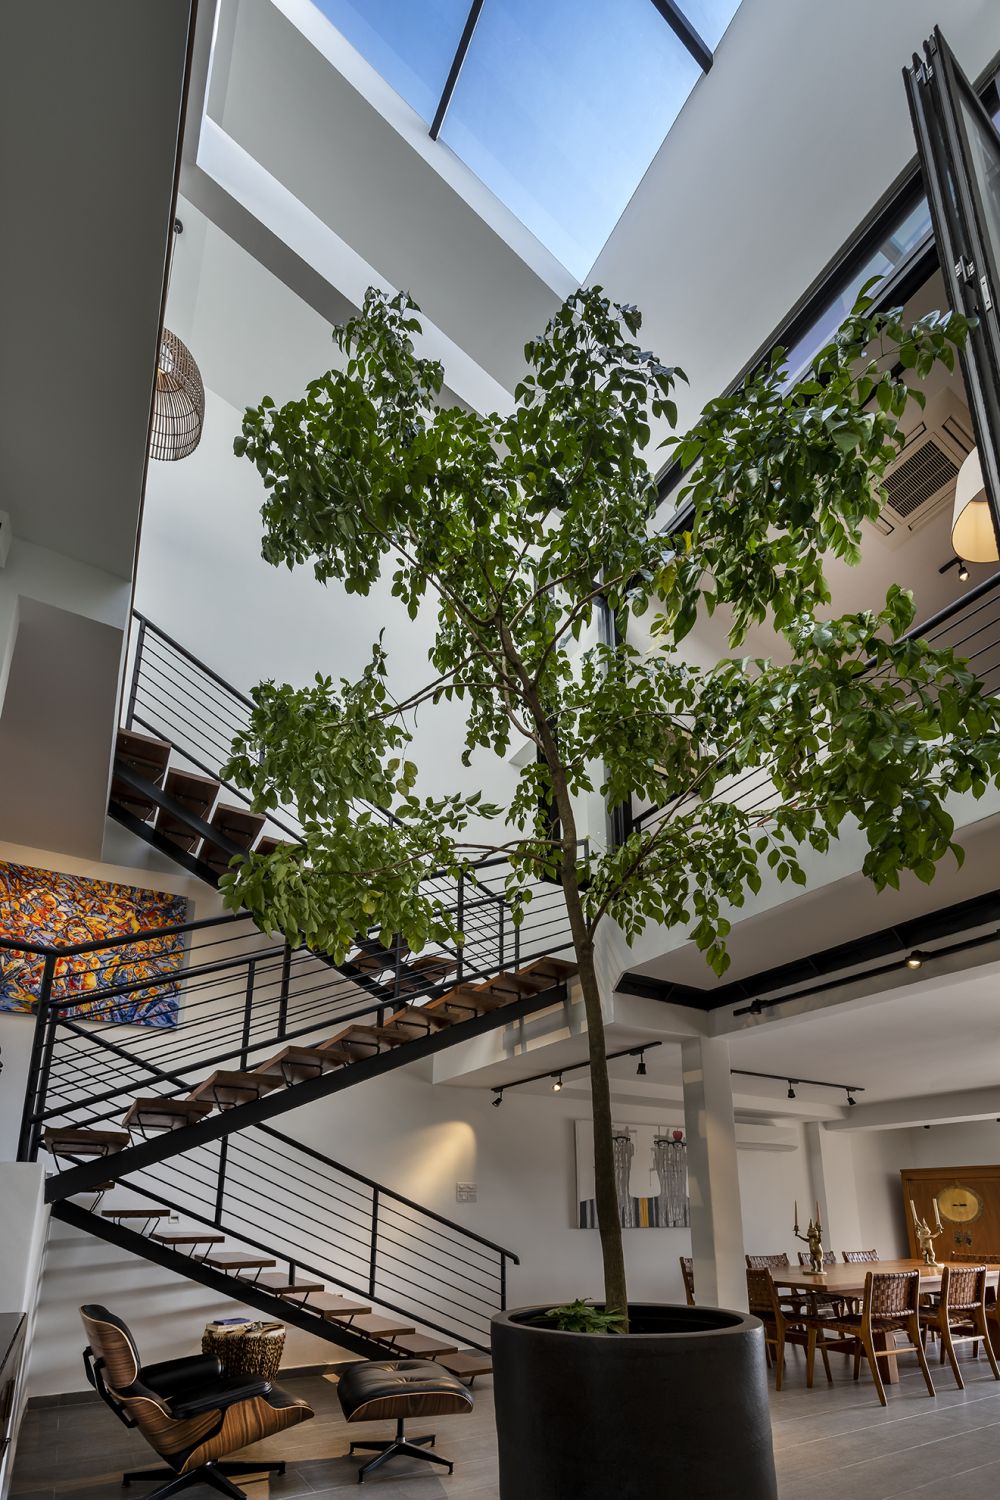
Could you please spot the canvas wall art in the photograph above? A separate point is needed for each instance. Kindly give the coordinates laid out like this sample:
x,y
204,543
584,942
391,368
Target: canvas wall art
x,y
650,1175
43,906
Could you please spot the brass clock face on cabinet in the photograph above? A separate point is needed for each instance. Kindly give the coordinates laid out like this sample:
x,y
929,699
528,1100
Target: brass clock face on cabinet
x,y
959,1204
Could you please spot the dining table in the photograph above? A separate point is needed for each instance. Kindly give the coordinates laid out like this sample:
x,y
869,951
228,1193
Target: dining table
x,y
848,1281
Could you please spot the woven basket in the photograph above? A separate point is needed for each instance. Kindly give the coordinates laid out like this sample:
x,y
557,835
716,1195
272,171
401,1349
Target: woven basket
x,y
246,1348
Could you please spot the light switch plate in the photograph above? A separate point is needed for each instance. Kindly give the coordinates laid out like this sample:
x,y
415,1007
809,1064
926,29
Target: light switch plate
x,y
465,1192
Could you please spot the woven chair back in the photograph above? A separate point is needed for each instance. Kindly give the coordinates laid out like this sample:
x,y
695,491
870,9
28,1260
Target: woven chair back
x,y
891,1295
829,1258
963,1286
766,1262
858,1257
760,1293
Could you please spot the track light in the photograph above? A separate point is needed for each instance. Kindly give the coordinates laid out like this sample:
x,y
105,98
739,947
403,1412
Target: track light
x,y
756,1009
640,1071
558,1083
851,1099
497,1098
916,959
791,1089
963,572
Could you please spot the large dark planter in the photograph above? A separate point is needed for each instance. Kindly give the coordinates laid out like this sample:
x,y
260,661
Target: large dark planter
x,y
677,1407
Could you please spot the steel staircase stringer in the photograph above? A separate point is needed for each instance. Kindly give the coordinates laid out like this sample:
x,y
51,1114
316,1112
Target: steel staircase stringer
x,y
277,1309
85,1176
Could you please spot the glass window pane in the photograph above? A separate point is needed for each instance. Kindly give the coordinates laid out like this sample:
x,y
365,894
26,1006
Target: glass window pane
x,y
984,145
561,107
710,17
410,42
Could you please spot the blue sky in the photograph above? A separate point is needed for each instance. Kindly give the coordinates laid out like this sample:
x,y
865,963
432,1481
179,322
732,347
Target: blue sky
x,y
561,104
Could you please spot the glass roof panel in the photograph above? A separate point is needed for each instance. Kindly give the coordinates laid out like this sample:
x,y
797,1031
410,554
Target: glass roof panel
x,y
410,42
710,17
560,108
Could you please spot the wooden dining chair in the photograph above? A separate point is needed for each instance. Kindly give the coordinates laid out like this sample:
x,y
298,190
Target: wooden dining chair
x,y
859,1257
782,1327
766,1262
687,1272
829,1258
891,1305
959,1317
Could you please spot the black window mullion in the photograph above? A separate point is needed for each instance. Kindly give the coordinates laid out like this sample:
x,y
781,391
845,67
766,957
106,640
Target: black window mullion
x,y
682,28
457,62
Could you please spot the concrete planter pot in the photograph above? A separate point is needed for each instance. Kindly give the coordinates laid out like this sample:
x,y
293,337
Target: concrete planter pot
x,y
678,1406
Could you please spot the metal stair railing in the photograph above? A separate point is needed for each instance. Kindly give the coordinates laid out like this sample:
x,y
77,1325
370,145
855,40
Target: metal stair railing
x,y
970,627
237,996
271,1193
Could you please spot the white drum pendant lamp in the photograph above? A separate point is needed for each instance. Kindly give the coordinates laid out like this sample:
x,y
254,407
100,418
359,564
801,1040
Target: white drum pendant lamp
x,y
972,532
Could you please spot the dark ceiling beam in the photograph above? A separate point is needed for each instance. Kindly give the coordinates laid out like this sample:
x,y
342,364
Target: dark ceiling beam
x,y
837,963
682,28
457,63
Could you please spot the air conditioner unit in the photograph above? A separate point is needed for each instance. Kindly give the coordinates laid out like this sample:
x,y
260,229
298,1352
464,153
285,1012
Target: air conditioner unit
x,y
921,480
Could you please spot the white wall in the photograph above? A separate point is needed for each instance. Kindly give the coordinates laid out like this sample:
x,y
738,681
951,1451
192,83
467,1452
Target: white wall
x,y
782,150
23,1228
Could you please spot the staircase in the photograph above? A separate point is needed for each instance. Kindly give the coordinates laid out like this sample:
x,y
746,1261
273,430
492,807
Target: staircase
x,y
157,1133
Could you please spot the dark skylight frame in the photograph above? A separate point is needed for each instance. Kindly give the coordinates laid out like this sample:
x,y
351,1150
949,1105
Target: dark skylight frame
x,y
558,107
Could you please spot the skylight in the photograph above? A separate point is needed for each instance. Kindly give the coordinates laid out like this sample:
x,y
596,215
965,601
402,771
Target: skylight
x,y
558,106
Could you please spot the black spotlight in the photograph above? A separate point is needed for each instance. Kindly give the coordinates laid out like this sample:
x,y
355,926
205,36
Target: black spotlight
x,y
851,1099
756,1009
791,1089
640,1071
558,1083
498,1099
916,959
963,572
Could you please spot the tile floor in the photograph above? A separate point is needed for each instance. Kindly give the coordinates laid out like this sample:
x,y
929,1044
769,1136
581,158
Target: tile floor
x,y
830,1444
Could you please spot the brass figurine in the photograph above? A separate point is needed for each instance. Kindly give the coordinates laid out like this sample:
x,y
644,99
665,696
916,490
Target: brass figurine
x,y
925,1234
813,1237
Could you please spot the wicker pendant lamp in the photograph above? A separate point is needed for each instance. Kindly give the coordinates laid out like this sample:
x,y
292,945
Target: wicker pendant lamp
x,y
178,401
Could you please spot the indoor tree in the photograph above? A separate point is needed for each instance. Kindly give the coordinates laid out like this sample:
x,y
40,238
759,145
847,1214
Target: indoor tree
x,y
517,531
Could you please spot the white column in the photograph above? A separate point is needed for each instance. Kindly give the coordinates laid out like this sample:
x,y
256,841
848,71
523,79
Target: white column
x,y
713,1179
831,1170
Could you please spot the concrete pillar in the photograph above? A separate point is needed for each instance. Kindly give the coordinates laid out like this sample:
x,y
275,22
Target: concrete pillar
x,y
713,1178
831,1170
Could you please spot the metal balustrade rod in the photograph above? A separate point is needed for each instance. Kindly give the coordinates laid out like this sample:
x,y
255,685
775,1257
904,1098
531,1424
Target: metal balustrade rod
x,y
34,1098
136,665
373,1262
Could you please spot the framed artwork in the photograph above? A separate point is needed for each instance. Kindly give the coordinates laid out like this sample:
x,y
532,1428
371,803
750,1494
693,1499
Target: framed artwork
x,y
650,1175
43,906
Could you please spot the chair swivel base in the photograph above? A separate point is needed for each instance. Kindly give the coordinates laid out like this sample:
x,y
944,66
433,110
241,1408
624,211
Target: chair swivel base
x,y
215,1475
398,1447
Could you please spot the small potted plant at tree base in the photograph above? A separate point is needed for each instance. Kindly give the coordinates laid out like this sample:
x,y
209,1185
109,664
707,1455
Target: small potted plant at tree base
x,y
513,531
675,1406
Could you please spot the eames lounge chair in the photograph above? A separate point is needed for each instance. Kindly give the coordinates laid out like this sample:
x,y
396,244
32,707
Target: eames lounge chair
x,y
187,1410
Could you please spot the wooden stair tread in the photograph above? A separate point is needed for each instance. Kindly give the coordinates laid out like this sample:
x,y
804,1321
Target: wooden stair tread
x,y
338,1308
187,1237
355,1042
135,1213
238,825
236,1260
298,1063
224,1087
148,758
171,1112
373,1324
282,1287
423,1345
467,1362
464,1001
268,843
197,795
79,1141
425,971
412,1021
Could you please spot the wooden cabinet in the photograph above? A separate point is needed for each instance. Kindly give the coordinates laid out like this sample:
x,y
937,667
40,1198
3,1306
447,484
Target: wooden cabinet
x,y
968,1200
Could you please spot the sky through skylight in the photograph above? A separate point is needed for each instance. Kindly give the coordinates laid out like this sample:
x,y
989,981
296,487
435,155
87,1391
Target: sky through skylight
x,y
560,106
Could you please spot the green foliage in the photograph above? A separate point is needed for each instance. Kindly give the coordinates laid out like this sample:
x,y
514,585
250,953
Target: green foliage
x,y
510,529
582,1316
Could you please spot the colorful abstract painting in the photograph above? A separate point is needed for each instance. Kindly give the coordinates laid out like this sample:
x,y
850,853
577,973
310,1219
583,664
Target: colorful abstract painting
x,y
42,906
